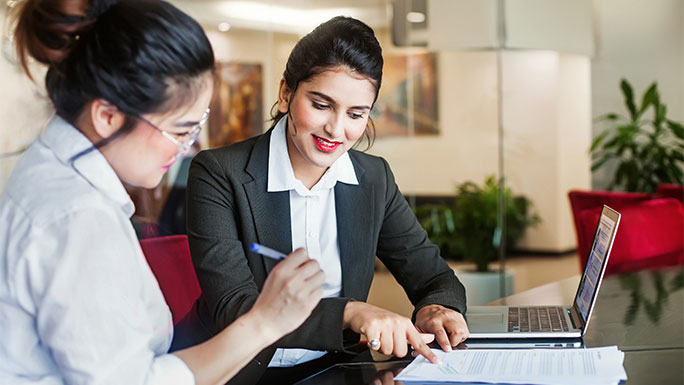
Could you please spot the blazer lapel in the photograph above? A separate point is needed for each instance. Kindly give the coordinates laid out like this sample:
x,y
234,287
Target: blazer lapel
x,y
270,211
354,208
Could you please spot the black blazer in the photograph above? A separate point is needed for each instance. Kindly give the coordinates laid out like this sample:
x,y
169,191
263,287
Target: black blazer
x,y
229,208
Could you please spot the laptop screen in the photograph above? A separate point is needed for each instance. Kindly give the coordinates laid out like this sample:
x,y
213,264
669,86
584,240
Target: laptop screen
x,y
596,262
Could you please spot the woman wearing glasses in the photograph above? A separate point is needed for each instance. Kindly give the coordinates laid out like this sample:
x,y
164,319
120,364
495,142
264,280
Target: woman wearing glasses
x,y
130,82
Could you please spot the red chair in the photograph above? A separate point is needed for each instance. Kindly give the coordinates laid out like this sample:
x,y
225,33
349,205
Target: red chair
x,y
170,261
584,200
650,235
671,191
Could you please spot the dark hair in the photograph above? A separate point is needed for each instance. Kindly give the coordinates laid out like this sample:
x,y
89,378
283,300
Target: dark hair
x,y
142,56
339,42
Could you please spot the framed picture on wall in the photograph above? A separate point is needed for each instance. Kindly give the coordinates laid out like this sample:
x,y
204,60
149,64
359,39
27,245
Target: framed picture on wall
x,y
236,110
408,99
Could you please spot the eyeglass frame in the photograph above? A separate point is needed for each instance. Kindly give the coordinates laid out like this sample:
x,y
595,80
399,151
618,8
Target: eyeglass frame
x,y
192,134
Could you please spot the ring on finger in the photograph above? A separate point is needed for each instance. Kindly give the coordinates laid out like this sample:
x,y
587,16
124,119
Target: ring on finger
x,y
374,343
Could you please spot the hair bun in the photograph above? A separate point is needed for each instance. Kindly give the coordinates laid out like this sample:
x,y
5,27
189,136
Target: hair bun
x,y
48,30
98,7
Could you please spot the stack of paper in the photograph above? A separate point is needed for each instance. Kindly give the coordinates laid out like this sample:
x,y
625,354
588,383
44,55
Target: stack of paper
x,y
521,366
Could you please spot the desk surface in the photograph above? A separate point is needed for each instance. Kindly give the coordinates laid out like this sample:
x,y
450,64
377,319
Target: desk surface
x,y
642,313
635,311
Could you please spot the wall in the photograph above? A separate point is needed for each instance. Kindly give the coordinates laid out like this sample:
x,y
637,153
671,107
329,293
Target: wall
x,y
642,41
547,128
24,109
267,48
466,148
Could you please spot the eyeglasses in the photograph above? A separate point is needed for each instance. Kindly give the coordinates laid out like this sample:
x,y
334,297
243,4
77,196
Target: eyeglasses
x,y
183,140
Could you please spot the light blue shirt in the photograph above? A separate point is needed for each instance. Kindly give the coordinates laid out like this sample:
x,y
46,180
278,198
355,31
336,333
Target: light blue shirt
x,y
78,302
313,222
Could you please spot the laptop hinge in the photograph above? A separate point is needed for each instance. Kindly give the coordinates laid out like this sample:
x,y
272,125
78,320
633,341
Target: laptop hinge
x,y
575,319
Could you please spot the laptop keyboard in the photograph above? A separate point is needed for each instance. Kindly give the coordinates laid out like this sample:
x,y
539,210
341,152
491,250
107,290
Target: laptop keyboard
x,y
536,319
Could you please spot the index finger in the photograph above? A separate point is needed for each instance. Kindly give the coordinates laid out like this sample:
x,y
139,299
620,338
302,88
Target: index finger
x,y
416,340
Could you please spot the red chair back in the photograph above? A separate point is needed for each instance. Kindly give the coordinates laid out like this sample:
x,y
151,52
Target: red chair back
x,y
584,200
650,235
170,261
671,191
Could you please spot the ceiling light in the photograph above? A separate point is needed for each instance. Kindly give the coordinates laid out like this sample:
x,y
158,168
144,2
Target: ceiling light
x,y
415,17
224,27
268,14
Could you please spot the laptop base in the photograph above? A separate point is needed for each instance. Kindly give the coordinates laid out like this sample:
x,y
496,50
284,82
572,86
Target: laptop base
x,y
491,322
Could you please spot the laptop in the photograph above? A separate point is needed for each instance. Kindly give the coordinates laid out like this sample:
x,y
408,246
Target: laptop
x,y
520,322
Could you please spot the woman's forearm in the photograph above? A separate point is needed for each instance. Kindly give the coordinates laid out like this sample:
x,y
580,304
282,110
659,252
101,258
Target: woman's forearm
x,y
290,293
218,359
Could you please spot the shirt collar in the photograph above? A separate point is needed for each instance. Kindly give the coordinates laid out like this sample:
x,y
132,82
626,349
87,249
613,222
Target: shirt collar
x,y
281,175
66,141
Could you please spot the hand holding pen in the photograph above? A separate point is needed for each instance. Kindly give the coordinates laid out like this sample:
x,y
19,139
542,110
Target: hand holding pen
x,y
291,291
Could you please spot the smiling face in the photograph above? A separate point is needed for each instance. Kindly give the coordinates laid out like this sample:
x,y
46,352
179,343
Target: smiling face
x,y
142,157
328,114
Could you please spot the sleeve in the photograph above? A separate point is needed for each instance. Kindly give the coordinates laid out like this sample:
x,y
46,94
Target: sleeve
x,y
225,276
228,285
84,277
415,262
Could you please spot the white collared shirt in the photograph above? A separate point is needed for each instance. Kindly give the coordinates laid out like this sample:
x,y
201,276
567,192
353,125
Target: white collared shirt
x,y
78,302
313,222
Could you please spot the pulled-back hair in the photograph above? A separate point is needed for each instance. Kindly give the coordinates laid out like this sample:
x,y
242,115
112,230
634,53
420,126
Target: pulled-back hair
x,y
143,56
339,42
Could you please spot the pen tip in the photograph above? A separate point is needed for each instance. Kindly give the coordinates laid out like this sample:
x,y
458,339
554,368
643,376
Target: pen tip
x,y
253,247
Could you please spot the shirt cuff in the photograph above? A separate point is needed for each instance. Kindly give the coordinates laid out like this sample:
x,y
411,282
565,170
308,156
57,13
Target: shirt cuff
x,y
171,370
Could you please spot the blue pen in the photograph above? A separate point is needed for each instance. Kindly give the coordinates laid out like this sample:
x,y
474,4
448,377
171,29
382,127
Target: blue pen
x,y
267,251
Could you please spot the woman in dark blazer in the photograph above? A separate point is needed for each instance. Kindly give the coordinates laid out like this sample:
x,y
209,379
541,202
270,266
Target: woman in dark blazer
x,y
301,185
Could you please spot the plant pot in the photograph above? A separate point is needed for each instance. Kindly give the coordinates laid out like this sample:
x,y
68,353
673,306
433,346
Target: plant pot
x,y
482,288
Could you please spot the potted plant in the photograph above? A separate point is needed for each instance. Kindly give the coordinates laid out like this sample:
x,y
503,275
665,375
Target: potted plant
x,y
468,229
646,152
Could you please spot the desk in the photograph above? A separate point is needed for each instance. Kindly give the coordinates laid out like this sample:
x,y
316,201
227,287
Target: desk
x,y
642,313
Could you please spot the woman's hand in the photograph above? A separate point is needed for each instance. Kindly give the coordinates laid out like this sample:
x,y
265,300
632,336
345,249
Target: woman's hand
x,y
291,291
392,330
448,326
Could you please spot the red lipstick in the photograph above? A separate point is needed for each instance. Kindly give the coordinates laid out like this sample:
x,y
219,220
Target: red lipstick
x,y
324,144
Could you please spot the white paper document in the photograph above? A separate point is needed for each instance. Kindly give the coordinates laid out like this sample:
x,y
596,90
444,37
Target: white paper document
x,y
521,366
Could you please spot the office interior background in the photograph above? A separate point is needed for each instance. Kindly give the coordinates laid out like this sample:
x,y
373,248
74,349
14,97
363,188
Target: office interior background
x,y
460,101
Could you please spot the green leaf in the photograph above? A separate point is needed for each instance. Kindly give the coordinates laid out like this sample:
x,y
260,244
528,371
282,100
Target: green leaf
x,y
599,163
676,128
660,113
597,141
676,155
627,132
650,97
628,92
611,116
620,173
611,143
